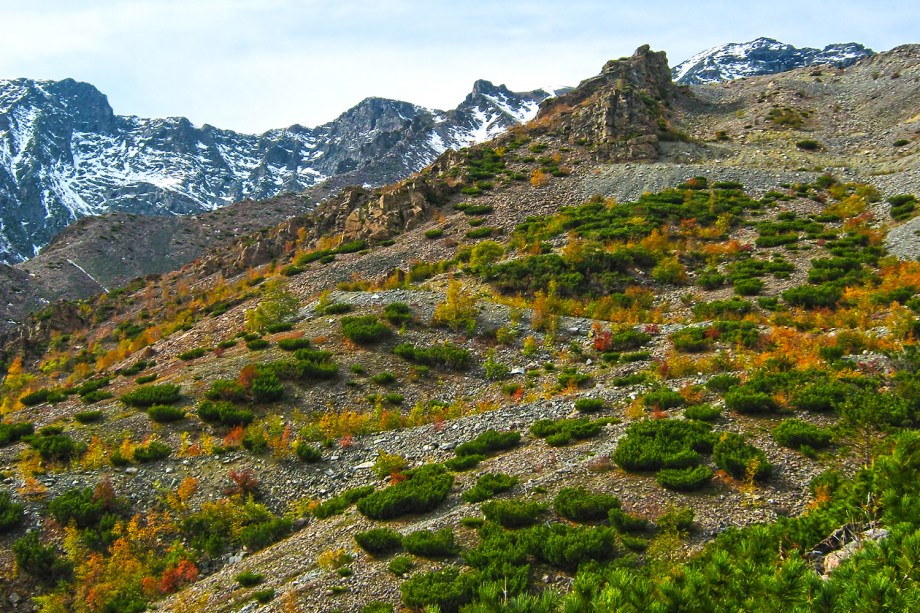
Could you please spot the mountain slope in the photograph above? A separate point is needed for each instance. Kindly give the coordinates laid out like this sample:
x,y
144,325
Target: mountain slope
x,y
701,293
759,57
65,155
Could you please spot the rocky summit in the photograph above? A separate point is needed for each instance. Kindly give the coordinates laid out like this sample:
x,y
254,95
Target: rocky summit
x,y
653,349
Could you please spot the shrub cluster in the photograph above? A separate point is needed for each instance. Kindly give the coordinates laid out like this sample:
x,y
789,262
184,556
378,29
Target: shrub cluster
x,y
397,313
225,413
740,459
590,405
581,505
684,479
561,432
151,452
54,446
489,485
795,434
424,489
337,504
446,354
14,431
10,512
663,443
429,544
513,513
364,329
488,443
164,413
149,395
379,541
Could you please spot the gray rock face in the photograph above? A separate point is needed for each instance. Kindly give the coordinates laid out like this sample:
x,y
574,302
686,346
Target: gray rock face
x,y
760,57
65,155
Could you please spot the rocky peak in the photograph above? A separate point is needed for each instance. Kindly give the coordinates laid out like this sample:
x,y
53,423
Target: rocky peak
x,y
620,111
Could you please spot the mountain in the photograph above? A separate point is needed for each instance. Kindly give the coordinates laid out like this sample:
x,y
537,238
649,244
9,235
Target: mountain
x,y
65,155
645,348
759,57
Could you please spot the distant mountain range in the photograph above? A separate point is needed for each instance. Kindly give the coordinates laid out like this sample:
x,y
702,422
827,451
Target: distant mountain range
x,y
760,57
65,155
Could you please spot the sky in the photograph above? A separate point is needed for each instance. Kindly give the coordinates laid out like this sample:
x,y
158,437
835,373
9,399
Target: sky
x,y
253,65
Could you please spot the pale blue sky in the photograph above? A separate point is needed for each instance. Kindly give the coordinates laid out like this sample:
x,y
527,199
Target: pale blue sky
x,y
251,65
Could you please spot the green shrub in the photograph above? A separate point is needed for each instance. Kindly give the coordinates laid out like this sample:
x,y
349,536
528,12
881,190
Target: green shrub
x,y
579,504
663,399
464,462
447,590
53,446
808,144
293,344
749,402
379,541
826,295
192,354
676,520
146,379
737,457
400,565
384,378
226,389
513,513
482,232
151,452
568,547
337,504
257,344
684,479
560,432
590,405
291,270
266,387
364,329
488,443
430,544
691,340
307,453
262,534
820,397
149,395
98,395
794,433
249,578
663,443
337,308
79,506
495,370
488,485
163,413
624,522
13,432
10,512
710,279
424,490
446,354
40,561
397,313
224,412
264,596
703,412
36,397
733,307
722,382
434,233
748,287
377,606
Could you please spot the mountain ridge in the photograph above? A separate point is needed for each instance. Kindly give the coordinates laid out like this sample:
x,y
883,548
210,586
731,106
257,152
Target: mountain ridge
x,y
65,154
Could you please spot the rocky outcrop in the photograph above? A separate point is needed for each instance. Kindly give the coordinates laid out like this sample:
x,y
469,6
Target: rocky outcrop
x,y
620,112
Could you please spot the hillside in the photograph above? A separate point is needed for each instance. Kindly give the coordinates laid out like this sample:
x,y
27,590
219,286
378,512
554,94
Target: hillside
x,y
646,348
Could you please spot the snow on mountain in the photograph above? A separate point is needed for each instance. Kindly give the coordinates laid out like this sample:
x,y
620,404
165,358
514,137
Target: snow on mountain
x,y
64,154
759,57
